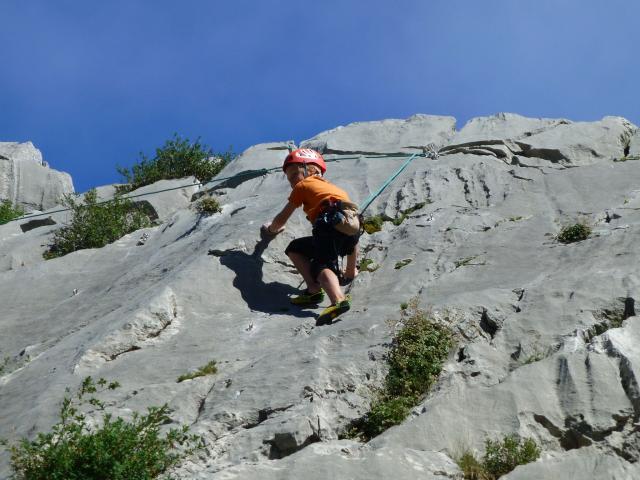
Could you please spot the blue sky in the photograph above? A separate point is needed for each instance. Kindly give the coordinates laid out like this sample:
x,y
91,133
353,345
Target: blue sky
x,y
93,83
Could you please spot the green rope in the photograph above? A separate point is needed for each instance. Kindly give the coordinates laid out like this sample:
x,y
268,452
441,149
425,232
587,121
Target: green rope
x,y
375,195
262,171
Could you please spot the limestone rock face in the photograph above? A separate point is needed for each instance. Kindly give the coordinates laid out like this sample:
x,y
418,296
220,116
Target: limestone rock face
x,y
547,333
26,180
634,144
385,136
165,197
512,138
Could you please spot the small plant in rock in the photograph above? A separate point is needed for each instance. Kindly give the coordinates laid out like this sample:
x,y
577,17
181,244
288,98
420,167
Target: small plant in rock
x,y
116,449
177,158
9,212
627,158
367,265
405,213
416,357
609,318
384,414
574,233
4,364
402,263
94,224
208,369
208,206
374,224
500,458
467,261
471,467
536,356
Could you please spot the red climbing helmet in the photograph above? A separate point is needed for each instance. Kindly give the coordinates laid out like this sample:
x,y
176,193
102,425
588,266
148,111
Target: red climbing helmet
x,y
304,156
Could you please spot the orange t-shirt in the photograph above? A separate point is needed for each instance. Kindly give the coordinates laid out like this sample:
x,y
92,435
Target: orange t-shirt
x,y
312,191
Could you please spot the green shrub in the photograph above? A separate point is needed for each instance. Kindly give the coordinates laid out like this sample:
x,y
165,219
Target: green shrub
x,y
9,212
472,467
367,265
500,458
384,414
374,224
115,450
208,206
417,354
177,158
574,233
208,369
94,225
416,357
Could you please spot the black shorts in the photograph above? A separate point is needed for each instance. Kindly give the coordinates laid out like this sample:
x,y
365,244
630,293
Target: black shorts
x,y
324,248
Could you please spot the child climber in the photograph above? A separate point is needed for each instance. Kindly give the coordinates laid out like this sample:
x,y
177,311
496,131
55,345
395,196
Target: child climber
x,y
331,213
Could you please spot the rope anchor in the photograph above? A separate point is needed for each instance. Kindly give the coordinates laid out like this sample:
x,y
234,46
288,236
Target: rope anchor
x,y
430,151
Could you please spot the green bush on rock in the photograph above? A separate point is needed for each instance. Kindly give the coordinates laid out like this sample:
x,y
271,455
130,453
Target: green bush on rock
x,y
117,449
367,265
94,224
500,458
208,206
9,212
416,357
574,233
177,158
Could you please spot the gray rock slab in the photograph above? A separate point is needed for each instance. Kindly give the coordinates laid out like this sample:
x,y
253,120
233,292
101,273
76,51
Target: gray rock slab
x,y
347,460
504,126
385,136
165,197
541,348
576,465
621,343
557,141
583,142
551,400
23,241
26,180
257,157
634,144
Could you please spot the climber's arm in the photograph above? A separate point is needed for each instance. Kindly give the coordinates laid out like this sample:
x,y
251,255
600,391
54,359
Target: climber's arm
x,y
277,224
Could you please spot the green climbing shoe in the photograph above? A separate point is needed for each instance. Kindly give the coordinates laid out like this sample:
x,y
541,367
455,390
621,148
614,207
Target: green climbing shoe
x,y
332,312
306,298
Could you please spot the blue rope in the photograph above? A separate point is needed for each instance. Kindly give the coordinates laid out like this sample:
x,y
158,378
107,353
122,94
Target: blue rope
x,y
375,195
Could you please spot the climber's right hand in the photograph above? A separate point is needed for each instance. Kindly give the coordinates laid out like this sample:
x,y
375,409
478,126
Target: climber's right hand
x,y
267,232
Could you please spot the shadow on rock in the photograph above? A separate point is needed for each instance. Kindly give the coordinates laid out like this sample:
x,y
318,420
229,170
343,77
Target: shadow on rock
x,y
264,297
